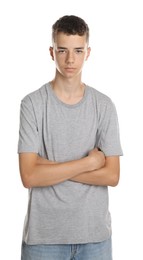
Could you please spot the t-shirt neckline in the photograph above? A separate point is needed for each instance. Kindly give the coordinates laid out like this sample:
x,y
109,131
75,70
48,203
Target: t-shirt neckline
x,y
65,104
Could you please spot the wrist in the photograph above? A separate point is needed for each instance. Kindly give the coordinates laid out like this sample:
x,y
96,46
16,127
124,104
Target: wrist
x,y
91,163
100,160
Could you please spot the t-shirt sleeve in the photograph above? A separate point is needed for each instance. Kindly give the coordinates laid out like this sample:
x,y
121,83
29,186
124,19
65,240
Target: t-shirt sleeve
x,y
108,136
28,130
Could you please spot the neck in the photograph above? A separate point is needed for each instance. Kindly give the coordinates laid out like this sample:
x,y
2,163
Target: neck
x,y
69,86
68,90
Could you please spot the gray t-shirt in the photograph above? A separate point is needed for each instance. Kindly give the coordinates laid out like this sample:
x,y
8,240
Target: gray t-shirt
x,y
69,212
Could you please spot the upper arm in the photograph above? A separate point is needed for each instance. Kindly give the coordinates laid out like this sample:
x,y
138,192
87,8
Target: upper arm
x,y
28,131
27,162
112,164
28,143
108,135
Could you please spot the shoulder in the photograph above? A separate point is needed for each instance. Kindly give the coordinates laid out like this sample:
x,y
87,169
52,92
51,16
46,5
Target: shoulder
x,y
101,100
36,97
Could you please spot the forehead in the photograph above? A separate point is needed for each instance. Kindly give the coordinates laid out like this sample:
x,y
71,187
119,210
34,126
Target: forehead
x,y
67,41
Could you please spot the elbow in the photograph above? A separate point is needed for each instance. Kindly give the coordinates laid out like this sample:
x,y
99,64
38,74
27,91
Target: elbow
x,y
114,179
113,170
114,183
26,183
27,163
26,180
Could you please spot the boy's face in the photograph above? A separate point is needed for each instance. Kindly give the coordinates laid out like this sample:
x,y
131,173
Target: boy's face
x,y
69,53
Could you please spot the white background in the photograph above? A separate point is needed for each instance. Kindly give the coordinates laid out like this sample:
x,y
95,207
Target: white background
x,y
115,67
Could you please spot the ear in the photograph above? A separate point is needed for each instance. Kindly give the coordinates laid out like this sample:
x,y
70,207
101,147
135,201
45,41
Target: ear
x,y
88,53
51,52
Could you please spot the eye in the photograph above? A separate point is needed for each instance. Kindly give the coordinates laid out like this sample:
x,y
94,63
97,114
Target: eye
x,y
61,51
79,51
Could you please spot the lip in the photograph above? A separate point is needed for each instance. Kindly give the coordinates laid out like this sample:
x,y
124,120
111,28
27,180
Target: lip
x,y
69,69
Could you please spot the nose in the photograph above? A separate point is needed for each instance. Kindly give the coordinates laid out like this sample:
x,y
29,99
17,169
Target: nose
x,y
70,57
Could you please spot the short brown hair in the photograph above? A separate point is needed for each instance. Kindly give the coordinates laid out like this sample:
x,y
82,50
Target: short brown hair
x,y
70,25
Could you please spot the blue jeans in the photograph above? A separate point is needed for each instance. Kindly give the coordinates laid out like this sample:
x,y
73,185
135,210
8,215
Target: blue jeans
x,y
93,251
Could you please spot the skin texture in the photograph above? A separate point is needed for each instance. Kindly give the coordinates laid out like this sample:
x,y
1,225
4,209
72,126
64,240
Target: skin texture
x,y
69,52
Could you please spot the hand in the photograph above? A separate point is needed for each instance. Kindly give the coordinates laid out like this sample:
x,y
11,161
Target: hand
x,y
97,159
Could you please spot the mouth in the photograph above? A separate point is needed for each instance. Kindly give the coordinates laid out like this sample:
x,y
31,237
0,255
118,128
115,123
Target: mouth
x,y
69,69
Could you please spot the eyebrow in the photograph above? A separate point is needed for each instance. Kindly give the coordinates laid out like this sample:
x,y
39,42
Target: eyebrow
x,y
77,48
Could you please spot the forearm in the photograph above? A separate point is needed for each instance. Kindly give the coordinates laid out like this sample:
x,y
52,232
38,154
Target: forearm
x,y
39,172
102,177
84,177
106,176
46,173
54,173
99,177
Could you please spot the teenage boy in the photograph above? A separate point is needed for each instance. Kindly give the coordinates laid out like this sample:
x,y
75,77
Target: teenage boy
x,y
69,150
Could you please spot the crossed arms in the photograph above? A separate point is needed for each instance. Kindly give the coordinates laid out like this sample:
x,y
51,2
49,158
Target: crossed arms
x,y
94,169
